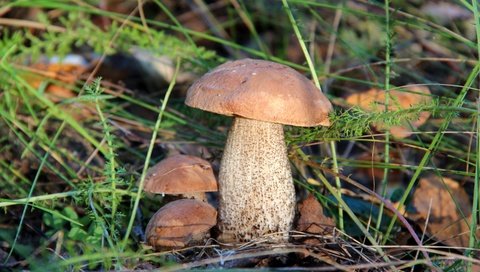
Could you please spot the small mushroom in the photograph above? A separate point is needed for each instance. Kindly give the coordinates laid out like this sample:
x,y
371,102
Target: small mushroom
x,y
184,175
181,223
257,195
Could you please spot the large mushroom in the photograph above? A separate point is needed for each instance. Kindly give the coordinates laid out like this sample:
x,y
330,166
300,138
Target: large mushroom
x,y
184,175
257,195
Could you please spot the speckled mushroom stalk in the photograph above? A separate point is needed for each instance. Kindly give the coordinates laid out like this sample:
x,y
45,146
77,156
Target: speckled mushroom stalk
x,y
257,196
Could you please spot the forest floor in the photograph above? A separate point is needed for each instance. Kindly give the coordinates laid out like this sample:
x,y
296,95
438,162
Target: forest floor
x,y
92,94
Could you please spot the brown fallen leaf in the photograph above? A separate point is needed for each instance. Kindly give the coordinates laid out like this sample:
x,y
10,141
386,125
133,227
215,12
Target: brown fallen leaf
x,y
434,199
66,73
58,77
374,99
312,219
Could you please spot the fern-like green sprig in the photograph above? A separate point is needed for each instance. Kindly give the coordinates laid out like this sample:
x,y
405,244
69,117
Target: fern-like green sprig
x,y
110,168
355,122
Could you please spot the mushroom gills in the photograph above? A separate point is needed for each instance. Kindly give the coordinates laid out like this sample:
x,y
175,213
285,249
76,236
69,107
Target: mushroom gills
x,y
255,182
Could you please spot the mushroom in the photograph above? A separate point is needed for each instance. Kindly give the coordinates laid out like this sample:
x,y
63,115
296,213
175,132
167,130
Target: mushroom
x,y
181,223
184,175
257,195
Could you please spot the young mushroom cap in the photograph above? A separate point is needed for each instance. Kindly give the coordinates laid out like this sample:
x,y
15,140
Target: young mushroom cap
x,y
181,174
181,223
257,196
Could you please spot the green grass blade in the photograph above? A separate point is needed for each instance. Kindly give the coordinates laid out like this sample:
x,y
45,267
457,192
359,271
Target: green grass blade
x,y
147,158
473,240
433,145
32,188
317,83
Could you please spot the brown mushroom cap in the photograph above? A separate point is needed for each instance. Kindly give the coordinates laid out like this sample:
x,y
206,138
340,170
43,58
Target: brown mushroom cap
x,y
260,90
180,223
181,174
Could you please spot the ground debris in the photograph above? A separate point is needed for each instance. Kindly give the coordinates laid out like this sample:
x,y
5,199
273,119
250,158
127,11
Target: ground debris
x,y
443,208
312,219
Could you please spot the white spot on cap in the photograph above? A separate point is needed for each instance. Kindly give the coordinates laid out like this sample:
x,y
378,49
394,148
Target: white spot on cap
x,y
254,74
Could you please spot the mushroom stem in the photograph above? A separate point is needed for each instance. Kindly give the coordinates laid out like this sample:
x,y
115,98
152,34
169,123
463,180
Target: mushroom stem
x,y
257,196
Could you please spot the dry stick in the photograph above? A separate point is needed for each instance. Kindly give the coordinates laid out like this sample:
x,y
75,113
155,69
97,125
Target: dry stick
x,y
432,249
4,10
333,267
331,44
469,150
311,28
387,204
55,237
33,199
449,255
31,24
249,24
104,55
275,251
424,229
91,157
212,23
382,62
144,22
368,138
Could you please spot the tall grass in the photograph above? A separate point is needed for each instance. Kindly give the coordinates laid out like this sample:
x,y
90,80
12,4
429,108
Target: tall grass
x,y
474,240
